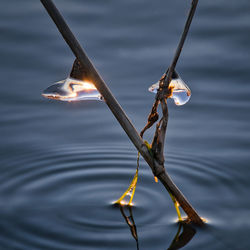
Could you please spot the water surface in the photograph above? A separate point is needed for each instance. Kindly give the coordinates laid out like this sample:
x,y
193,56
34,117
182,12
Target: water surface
x,y
63,164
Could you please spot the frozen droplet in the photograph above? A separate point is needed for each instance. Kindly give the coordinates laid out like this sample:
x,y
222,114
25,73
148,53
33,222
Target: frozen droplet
x,y
72,89
180,91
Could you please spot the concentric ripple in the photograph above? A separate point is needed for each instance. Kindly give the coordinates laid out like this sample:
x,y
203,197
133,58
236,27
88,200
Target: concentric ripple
x,y
62,196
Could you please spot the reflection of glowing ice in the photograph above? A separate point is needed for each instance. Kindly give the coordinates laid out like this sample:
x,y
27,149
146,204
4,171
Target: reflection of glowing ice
x,y
72,90
181,92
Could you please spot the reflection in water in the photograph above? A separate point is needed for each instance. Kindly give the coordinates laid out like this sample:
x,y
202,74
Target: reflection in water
x,y
130,221
183,236
182,239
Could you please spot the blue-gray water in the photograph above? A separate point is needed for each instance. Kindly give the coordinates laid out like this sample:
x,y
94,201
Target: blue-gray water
x,y
62,164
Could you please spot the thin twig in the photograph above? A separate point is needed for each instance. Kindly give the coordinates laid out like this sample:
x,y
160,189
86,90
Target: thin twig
x,y
172,66
118,112
164,92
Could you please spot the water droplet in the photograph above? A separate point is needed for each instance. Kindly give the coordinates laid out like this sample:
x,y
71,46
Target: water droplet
x,y
181,92
72,89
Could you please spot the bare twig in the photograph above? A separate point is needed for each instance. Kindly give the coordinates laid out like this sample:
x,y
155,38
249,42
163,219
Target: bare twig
x,y
152,118
163,93
167,77
118,112
171,69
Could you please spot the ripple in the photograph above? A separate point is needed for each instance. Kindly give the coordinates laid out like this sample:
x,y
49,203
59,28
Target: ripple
x,y
93,176
70,188
66,189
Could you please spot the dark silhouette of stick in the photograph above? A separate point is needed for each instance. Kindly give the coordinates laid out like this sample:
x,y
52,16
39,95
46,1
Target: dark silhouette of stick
x,y
164,92
158,170
165,80
172,66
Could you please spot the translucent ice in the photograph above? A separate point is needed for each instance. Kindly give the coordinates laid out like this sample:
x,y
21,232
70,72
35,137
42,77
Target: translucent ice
x,y
72,89
181,92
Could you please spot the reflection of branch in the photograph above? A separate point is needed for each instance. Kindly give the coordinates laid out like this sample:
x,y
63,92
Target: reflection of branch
x,y
184,234
114,106
131,223
182,239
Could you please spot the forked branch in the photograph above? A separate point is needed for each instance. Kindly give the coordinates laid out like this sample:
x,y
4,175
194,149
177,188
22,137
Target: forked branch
x,y
118,112
163,93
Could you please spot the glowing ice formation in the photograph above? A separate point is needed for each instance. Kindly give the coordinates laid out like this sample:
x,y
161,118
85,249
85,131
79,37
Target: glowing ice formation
x,y
72,89
181,92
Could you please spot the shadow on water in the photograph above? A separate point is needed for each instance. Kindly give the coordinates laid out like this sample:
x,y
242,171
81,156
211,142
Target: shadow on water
x,y
184,234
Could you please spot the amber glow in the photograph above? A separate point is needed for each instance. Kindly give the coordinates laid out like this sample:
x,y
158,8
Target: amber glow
x,y
129,193
124,203
72,89
83,85
171,89
204,220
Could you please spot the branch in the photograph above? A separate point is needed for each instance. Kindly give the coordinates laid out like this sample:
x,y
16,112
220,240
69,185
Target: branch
x,y
171,69
118,111
167,77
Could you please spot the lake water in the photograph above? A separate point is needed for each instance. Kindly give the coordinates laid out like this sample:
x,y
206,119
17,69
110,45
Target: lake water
x,y
63,164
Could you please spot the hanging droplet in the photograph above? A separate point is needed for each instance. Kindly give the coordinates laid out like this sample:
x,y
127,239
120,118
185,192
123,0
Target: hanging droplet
x,y
181,92
72,89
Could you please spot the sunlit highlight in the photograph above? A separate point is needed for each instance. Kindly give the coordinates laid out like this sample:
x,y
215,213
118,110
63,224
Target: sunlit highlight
x,y
72,89
180,91
128,195
176,205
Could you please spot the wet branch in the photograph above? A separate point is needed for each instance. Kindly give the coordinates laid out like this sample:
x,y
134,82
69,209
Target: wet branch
x,y
114,106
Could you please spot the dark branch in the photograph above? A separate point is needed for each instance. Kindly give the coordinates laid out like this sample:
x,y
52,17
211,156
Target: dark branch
x,y
170,70
78,71
118,111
